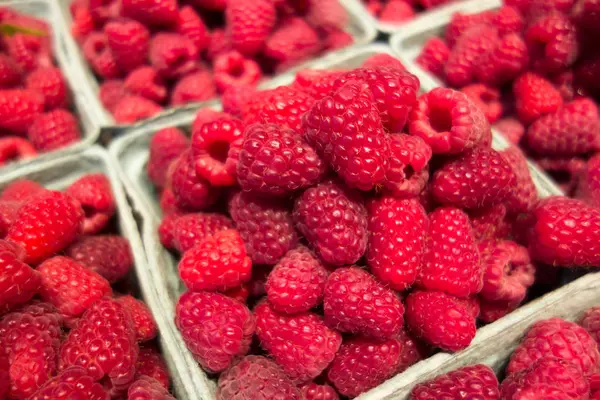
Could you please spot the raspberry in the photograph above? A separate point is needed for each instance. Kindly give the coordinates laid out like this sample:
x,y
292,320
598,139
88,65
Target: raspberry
x,y
108,255
216,328
511,128
433,56
21,190
206,115
297,282
18,282
326,14
584,14
448,121
191,229
194,87
103,10
486,98
111,92
104,344
565,171
565,233
588,189
214,148
128,41
46,225
313,391
54,130
10,73
408,173
301,344
94,193
477,381
173,55
256,377
491,311
12,248
220,42
440,319
293,41
524,194
145,388
190,25
277,161
143,321
508,19
145,81
356,302
151,363
232,69
396,11
460,23
478,178
71,383
190,190
133,108
589,322
51,84
151,12
13,148
83,24
165,146
234,99
249,24
334,221
19,109
552,43
489,223
535,97
99,55
28,51
315,82
165,230
347,132
265,225
504,62
380,60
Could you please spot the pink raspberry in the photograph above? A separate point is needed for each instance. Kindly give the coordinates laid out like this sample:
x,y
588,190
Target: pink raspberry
x,y
486,98
191,229
161,13
249,24
165,146
100,57
173,55
232,69
128,41
409,170
194,87
524,194
478,381
145,81
293,41
552,43
191,25
433,56
143,321
51,84
190,190
132,108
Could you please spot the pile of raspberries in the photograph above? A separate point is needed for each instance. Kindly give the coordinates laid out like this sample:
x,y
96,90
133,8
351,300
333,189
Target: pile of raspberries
x,y
556,359
35,100
351,226
398,11
532,66
149,54
64,332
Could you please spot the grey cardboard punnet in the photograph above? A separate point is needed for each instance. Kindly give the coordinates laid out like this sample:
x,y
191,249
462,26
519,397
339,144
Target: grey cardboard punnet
x,y
49,11
57,174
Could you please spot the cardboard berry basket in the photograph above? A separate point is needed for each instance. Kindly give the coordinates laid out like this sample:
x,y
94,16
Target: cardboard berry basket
x,y
131,152
362,32
49,11
58,174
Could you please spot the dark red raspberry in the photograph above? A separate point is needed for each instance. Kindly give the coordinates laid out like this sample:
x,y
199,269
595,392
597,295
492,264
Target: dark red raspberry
x,y
145,81
104,344
316,83
381,60
347,132
71,383
490,223
552,43
19,109
143,321
535,97
524,194
265,225
173,55
477,381
18,282
165,146
191,229
511,128
216,329
10,73
232,69
257,378
448,121
486,98
250,24
54,130
313,391
94,193
146,388
301,344
51,84
408,173
501,64
451,260
151,12
292,42
100,57
460,23
13,148
151,363
111,92
334,221
190,190
433,56
132,108
356,302
190,25
194,87
128,41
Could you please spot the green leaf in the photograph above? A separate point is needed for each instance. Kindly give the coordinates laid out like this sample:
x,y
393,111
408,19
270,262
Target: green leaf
x,y
11,29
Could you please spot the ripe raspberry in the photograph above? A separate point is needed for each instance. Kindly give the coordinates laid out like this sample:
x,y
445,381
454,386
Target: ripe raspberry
x,y
590,322
111,92
99,55
297,282
396,242
232,69
17,251
333,220
448,121
508,19
46,225
313,391
151,363
165,146
535,97
194,87
316,83
326,14
460,23
51,84
216,328
440,319
565,233
380,60
13,148
504,62
165,230
83,23
478,178
29,51
234,99
94,193
511,128
18,282
524,194
151,12
190,190
220,42
173,55
249,24
477,381
191,229
491,311
490,223
190,25
143,321
71,383
356,302
564,171
451,260
552,43
257,378
104,344
145,81
396,11
10,73
408,173
292,42
21,190
588,188
433,56
128,41
145,388
132,108
301,344
19,109
486,98
54,130
206,115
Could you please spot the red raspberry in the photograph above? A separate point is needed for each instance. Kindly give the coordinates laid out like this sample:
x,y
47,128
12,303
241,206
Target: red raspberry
x,y
448,121
165,146
69,286
234,99
315,82
486,98
397,11
108,255
326,14
490,223
524,194
556,338
18,282
83,24
46,225
151,363
94,193
18,109
301,344
535,97
219,262
220,42
165,230
21,190
99,55
590,322
29,51
565,233
293,41
504,63
10,72
249,24
491,311
333,220
297,282
190,25
194,87
215,147
13,148
143,321
151,12
356,302
54,130
265,225
258,378
103,10
133,108
232,69
433,56
191,229
111,92
476,381
277,161
206,115
396,241
71,383
460,23
588,188
313,391
50,83
511,128
508,19
346,131
478,178
552,43
216,329
190,190
145,388
104,344
408,172
145,81
380,60
168,204
128,41
173,55
451,260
